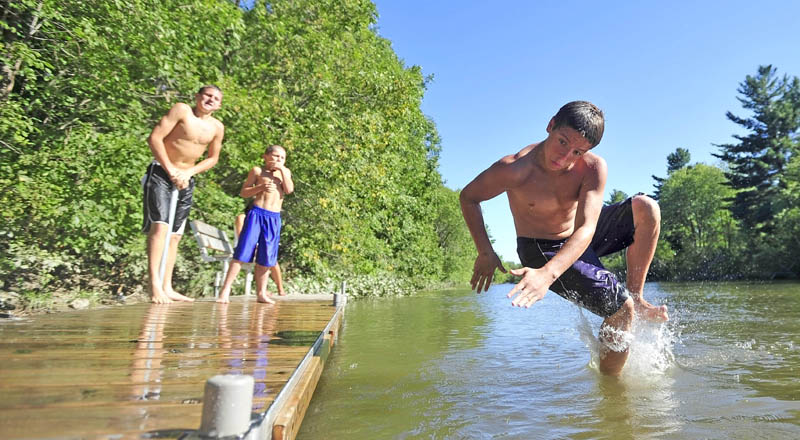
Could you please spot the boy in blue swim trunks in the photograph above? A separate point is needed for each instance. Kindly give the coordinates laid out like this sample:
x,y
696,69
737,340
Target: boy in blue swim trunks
x,y
555,189
268,185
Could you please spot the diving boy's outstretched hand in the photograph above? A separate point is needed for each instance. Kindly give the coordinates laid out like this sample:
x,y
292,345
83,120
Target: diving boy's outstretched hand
x,y
483,271
531,288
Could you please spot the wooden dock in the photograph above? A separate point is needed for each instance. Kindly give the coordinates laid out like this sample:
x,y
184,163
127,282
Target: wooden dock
x,y
140,370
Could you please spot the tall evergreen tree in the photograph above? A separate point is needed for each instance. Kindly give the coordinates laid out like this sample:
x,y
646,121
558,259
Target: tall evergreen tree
x,y
756,163
675,161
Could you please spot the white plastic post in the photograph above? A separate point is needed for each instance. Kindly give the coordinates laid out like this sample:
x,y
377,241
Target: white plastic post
x,y
173,206
227,405
340,298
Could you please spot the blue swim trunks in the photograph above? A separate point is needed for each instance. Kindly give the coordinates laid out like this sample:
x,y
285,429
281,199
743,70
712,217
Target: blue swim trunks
x,y
587,283
260,235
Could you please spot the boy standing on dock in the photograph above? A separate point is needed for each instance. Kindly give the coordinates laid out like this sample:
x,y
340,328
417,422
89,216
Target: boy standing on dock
x,y
178,140
262,225
555,192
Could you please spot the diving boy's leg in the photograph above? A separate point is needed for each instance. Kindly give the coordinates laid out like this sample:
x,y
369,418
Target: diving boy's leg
x,y
233,270
174,240
647,226
155,247
261,284
275,274
615,338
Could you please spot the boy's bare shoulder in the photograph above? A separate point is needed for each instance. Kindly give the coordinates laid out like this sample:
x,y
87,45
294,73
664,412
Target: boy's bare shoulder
x,y
594,162
181,107
515,167
217,123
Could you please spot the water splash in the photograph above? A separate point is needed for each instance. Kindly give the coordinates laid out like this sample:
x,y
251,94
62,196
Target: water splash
x,y
650,347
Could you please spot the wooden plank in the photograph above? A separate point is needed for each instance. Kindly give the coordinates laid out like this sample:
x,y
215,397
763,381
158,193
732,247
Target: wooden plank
x,y
287,424
205,228
215,243
129,370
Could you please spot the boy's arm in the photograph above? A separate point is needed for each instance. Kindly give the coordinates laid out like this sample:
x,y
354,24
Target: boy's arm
x,y
164,127
535,282
249,187
286,180
492,182
212,157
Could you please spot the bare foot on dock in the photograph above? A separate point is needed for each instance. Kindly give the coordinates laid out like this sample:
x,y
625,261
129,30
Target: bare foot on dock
x,y
265,299
650,312
224,297
175,296
281,293
157,296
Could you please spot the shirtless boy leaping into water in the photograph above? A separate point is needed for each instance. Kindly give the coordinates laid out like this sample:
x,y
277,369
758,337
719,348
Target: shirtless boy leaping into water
x,y
177,142
262,225
555,192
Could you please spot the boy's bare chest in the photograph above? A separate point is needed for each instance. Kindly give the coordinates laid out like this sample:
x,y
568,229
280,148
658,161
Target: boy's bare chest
x,y
545,193
197,130
270,177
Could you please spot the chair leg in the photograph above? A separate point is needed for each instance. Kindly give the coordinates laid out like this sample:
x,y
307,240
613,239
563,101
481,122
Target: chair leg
x,y
248,280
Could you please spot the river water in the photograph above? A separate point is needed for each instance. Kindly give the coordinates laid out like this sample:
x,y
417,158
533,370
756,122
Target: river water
x,y
453,364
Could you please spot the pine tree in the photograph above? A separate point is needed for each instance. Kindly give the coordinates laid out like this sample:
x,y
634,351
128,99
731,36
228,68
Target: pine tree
x,y
756,163
676,160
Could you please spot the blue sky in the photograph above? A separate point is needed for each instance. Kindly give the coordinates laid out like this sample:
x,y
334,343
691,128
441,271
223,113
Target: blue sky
x,y
664,73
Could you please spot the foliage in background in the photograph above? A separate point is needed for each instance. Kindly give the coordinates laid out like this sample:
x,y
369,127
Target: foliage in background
x,y
740,219
756,163
84,82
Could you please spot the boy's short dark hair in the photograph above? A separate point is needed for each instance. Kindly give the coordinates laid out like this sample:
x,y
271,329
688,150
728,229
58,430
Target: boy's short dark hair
x,y
208,86
272,148
583,117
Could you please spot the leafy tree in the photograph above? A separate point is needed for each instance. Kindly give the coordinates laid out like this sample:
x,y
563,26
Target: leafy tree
x,y
675,161
780,254
454,238
85,81
616,196
756,163
697,223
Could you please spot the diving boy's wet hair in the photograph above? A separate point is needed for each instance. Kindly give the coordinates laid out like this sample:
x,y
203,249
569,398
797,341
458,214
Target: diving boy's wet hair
x,y
584,117
272,148
208,86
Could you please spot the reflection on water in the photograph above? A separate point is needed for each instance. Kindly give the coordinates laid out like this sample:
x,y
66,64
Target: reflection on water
x,y
459,365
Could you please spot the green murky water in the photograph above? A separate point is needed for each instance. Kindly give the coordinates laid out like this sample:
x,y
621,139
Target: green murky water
x,y
455,364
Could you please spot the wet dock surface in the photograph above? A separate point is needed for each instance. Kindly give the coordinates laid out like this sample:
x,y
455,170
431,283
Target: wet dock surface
x,y
131,370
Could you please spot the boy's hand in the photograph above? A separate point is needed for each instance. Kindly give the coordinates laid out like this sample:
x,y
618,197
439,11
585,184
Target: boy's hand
x,y
531,288
279,167
270,186
483,271
180,178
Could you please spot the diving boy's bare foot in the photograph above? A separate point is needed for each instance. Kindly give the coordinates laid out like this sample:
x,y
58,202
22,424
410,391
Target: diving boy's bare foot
x,y
650,312
265,299
281,293
175,296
